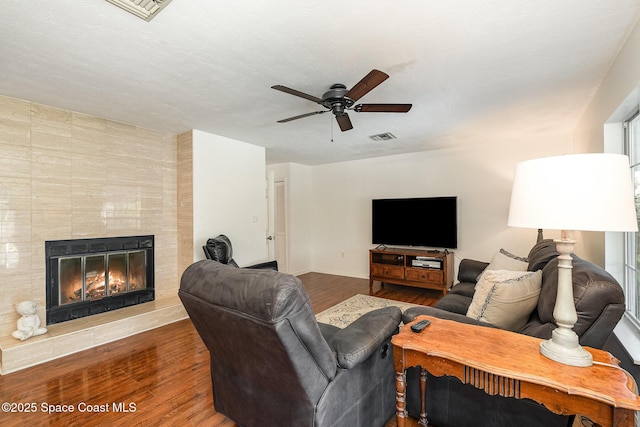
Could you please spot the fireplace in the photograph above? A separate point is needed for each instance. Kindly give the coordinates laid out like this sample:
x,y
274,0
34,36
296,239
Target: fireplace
x,y
91,276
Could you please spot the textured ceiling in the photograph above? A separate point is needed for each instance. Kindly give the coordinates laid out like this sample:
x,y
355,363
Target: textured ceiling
x,y
511,66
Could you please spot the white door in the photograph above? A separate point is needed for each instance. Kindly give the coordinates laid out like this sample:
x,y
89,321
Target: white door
x,y
271,227
281,227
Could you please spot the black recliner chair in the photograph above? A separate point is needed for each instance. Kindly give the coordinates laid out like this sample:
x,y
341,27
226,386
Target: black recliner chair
x,y
272,364
219,249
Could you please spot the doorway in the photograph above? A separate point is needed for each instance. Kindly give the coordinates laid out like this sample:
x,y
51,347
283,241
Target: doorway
x,y
281,226
277,233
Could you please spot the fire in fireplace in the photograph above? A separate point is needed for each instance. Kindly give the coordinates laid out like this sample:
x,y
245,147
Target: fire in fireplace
x,y
90,276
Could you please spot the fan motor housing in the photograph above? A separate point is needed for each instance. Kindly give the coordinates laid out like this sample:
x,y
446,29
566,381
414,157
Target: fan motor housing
x,y
335,99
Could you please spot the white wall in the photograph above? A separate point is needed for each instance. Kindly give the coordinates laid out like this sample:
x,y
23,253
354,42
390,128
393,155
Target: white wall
x,y
301,202
229,196
480,175
621,80
616,97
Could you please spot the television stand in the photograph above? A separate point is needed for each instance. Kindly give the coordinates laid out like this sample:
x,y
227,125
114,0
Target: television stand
x,y
418,268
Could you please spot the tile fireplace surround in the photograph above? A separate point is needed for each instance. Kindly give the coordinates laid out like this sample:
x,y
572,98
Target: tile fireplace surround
x,y
67,175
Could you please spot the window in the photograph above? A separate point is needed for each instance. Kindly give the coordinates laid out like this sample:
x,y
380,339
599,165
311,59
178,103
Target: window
x,y
632,240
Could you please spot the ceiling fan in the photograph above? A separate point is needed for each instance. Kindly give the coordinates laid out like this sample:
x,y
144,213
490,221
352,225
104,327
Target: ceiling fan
x,y
339,100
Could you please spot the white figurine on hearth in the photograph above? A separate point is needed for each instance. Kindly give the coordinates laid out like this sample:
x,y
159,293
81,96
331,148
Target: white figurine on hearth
x,y
29,323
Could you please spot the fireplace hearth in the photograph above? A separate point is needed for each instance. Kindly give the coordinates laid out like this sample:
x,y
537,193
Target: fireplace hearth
x,y
91,276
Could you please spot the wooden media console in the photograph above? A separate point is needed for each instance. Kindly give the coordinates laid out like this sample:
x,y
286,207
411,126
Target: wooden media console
x,y
411,267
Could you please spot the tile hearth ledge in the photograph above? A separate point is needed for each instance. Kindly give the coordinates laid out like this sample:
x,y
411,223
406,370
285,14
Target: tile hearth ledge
x,y
70,337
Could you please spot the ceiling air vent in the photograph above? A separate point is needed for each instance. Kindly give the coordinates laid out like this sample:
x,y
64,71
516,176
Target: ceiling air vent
x,y
145,9
383,136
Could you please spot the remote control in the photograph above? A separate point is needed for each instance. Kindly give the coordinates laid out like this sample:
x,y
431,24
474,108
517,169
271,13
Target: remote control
x,y
417,327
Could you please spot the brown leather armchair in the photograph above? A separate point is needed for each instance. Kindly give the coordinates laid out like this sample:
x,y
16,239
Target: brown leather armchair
x,y
272,364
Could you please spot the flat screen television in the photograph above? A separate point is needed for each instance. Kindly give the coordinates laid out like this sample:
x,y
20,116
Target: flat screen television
x,y
427,221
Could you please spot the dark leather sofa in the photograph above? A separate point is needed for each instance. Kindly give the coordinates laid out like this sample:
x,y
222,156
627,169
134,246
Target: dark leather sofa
x,y
599,302
272,364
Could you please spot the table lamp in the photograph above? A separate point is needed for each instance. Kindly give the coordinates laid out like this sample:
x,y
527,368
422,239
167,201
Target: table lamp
x,y
585,192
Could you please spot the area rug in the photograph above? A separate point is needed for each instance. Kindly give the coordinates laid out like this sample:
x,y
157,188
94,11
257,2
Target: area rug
x,y
347,311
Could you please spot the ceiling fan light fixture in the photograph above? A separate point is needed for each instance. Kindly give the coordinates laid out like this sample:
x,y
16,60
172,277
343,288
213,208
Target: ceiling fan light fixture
x,y
383,136
144,9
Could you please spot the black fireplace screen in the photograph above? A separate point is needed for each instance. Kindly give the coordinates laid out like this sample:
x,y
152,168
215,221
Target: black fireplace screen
x,y
90,276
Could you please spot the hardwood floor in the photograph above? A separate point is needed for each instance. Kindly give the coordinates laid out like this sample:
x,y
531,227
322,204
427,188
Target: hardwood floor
x,y
156,378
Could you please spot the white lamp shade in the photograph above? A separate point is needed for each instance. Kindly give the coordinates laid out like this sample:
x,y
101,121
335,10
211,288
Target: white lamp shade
x,y
586,192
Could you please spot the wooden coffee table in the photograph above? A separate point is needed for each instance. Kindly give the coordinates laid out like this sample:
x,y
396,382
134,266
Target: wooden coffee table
x,y
510,364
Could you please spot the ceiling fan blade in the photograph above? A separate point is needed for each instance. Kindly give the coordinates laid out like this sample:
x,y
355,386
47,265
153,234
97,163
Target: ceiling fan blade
x,y
382,108
344,122
302,116
368,82
297,93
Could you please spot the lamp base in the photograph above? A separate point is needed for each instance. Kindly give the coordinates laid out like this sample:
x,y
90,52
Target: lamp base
x,y
564,348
